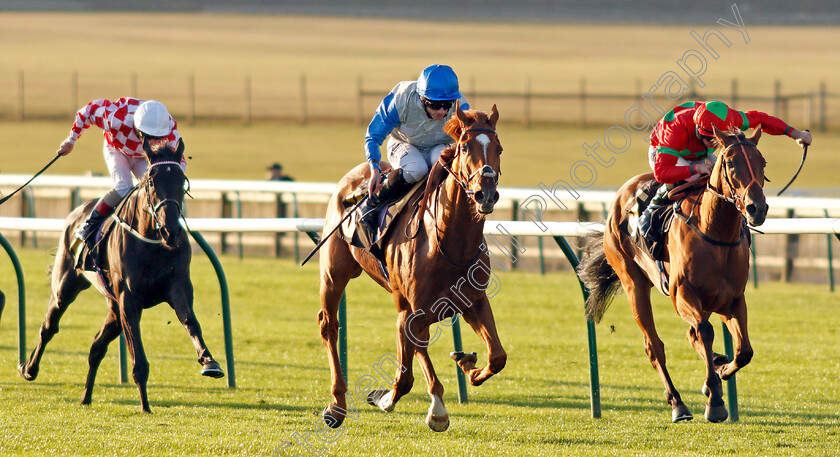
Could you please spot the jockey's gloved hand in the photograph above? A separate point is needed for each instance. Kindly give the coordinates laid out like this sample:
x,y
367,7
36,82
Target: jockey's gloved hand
x,y
802,138
65,147
375,178
702,169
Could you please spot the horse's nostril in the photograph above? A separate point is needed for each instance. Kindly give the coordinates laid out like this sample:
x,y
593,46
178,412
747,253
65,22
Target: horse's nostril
x,y
479,196
495,196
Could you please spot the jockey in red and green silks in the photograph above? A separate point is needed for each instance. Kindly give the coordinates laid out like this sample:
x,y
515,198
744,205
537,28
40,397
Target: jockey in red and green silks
x,y
682,143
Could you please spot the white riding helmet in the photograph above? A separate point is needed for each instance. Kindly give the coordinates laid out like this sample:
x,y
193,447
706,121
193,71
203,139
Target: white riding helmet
x,y
152,119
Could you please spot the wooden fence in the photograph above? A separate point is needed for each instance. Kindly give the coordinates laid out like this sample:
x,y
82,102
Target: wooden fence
x,y
38,97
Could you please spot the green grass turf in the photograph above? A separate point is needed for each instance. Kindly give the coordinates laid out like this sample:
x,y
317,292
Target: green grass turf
x,y
539,405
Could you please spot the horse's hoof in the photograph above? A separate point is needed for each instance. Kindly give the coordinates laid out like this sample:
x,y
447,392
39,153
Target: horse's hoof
x,y
716,414
460,356
681,413
720,359
437,424
212,370
331,420
381,398
24,374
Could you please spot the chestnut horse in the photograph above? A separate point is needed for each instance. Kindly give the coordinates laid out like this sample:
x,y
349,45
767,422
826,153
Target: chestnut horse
x,y
707,261
429,256
145,258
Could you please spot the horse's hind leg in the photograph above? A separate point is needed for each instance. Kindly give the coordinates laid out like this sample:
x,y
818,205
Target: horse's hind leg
x,y
110,330
438,418
337,268
181,301
736,323
480,318
66,285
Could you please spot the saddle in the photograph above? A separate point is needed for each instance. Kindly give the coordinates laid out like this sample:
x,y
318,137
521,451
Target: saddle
x,y
355,233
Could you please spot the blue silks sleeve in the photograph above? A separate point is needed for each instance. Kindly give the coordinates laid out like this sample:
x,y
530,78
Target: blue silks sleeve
x,y
386,118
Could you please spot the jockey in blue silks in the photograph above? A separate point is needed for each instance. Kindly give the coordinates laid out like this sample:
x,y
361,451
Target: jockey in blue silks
x,y
412,115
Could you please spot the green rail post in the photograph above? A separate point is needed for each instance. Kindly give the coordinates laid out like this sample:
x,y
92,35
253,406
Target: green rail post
x,y
459,347
731,387
594,384
123,360
220,273
754,265
830,260
21,299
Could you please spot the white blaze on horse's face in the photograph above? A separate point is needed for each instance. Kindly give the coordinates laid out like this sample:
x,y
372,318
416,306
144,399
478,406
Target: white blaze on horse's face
x,y
485,141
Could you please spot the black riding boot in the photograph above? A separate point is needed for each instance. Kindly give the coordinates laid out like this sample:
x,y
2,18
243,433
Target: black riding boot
x,y
659,199
89,227
394,188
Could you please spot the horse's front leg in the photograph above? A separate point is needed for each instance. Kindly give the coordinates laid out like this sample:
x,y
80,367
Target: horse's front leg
x,y
409,327
480,318
181,300
701,335
110,330
736,323
438,418
130,313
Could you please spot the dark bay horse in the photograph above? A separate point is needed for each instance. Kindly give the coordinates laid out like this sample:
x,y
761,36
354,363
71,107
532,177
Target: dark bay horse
x,y
430,257
145,258
707,261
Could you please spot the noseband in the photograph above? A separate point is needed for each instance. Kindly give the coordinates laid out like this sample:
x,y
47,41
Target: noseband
x,y
735,199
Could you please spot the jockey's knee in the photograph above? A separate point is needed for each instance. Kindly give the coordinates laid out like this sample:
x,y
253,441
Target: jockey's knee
x,y
415,173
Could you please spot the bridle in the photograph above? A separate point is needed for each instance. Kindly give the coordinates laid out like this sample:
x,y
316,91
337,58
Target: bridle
x,y
155,207
486,171
734,198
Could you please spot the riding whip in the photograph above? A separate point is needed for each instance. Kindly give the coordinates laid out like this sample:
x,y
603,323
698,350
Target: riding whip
x,y
3,200
804,154
324,239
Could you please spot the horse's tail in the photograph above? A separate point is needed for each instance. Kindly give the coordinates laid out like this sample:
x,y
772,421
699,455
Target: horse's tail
x,y
597,275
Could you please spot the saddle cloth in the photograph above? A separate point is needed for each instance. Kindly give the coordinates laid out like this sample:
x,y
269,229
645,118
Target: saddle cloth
x,y
355,233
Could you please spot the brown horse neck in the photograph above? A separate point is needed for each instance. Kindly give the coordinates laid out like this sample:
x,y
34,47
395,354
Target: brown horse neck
x,y
718,218
459,229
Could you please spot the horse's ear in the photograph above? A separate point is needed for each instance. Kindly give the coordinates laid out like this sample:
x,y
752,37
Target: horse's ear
x,y
180,150
494,116
146,147
756,135
459,113
718,134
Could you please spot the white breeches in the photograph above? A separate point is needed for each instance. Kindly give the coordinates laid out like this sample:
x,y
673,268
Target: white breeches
x,y
415,162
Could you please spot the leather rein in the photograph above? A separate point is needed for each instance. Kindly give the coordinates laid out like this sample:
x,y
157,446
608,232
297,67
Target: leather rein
x,y
151,207
486,171
737,200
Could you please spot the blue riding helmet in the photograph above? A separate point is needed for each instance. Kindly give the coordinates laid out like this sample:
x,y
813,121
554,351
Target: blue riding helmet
x,y
438,82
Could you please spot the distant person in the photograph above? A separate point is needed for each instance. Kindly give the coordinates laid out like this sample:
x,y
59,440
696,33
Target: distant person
x,y
275,173
126,123
682,144
413,114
